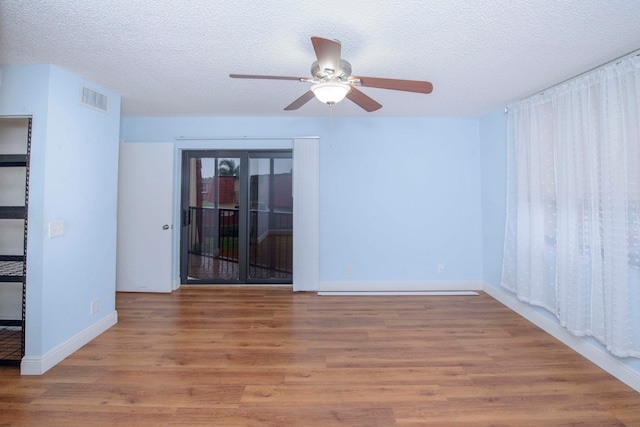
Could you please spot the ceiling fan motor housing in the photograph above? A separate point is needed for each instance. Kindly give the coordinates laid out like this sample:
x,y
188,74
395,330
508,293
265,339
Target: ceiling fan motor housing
x,y
341,74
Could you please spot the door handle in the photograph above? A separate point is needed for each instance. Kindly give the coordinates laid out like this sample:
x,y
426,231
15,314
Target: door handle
x,y
165,227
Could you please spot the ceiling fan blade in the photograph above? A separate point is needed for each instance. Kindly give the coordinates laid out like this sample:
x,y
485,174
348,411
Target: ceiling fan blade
x,y
394,84
300,101
328,53
365,102
257,76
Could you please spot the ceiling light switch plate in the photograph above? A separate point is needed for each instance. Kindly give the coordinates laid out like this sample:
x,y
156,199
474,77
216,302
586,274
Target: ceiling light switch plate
x,y
56,229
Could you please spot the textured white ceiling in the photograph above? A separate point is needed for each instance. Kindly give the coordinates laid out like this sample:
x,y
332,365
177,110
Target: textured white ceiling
x,y
173,58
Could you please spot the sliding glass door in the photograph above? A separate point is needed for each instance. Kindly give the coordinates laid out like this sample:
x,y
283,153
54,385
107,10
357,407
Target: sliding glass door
x,y
237,217
270,217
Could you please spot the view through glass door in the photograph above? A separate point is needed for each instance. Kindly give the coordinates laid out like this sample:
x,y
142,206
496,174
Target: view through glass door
x,y
237,217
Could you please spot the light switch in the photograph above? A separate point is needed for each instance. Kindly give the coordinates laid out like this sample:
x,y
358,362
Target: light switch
x,y
56,229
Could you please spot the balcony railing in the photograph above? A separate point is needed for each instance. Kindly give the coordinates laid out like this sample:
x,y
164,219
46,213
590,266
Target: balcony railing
x,y
214,233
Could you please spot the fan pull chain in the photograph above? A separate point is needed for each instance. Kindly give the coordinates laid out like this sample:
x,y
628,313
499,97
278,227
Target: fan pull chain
x,y
330,126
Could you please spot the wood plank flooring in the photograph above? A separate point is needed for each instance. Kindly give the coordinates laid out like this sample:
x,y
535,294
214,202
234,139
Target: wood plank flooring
x,y
264,356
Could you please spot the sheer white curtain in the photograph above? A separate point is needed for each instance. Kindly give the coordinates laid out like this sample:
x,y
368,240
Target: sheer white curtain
x,y
573,205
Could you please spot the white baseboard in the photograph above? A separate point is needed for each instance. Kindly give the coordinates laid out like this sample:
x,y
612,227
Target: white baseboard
x,y
600,357
38,365
396,293
402,286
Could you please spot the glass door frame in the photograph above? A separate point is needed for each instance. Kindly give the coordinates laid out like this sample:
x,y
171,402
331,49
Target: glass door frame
x,y
244,209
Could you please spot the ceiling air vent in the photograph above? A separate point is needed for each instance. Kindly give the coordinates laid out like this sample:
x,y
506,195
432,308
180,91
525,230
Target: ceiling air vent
x,y
93,99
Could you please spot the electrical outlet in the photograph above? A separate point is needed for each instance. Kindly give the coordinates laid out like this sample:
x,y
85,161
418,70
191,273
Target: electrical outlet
x,y
440,268
347,269
95,306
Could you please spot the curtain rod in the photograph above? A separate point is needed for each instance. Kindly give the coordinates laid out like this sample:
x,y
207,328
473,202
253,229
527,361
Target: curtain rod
x,y
616,60
240,138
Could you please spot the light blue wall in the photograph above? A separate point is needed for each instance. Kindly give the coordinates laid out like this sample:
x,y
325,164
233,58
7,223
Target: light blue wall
x,y
397,196
73,178
81,188
493,139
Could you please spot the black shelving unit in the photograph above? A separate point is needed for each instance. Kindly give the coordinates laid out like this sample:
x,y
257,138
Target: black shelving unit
x,y
13,267
12,212
13,160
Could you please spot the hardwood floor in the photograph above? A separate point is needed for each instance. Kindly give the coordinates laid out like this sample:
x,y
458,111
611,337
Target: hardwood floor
x,y
268,357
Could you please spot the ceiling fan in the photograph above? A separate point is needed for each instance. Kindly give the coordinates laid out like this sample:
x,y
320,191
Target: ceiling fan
x,y
332,80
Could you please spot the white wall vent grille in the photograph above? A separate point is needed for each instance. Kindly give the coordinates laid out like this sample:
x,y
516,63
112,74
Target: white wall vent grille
x,y
93,99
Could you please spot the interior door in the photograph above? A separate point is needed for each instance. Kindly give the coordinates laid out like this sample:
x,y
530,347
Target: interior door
x,y
145,217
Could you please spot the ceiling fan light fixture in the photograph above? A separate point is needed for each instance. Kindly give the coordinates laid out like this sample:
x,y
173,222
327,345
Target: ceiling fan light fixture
x,y
330,92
